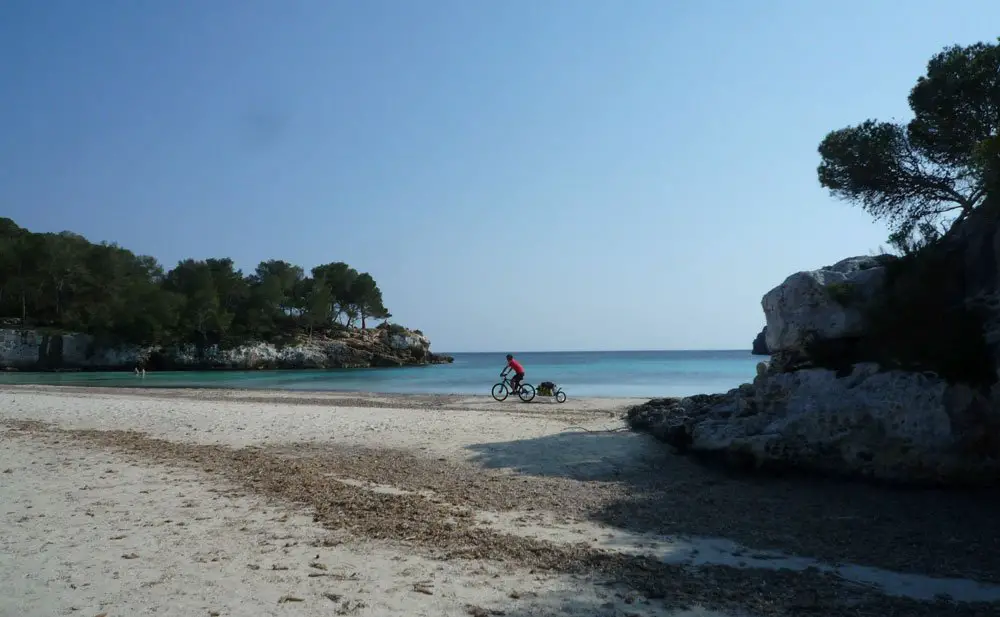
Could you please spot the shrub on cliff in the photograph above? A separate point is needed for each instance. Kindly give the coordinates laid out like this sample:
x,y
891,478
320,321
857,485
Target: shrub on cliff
x,y
921,320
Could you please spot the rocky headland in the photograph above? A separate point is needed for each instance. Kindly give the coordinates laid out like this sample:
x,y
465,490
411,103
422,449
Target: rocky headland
x,y
383,346
881,367
67,303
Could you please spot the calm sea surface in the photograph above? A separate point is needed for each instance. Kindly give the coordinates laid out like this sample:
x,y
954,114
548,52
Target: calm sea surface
x,y
603,373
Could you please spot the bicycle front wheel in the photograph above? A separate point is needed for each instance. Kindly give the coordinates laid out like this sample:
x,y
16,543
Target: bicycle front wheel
x,y
500,392
526,393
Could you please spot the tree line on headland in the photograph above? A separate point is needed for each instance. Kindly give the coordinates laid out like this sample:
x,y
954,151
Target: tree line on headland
x,y
63,281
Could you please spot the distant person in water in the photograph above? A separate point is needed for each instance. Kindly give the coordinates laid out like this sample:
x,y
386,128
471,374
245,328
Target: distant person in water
x,y
514,365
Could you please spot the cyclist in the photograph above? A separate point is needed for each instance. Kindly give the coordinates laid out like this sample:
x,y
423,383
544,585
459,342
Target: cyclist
x,y
514,365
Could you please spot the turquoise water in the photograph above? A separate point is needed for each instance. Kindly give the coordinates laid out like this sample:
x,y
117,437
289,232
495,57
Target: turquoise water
x,y
618,373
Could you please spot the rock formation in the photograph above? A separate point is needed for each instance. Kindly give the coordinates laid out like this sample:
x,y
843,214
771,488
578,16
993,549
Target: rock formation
x,y
825,303
384,346
895,421
894,426
759,347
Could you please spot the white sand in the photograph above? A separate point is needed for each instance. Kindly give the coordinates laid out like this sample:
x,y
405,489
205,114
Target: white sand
x,y
70,513
444,430
84,532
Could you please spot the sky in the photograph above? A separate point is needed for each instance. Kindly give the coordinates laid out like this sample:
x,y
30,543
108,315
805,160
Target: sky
x,y
517,175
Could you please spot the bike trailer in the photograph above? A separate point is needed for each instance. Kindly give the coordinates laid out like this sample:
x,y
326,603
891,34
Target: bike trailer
x,y
546,388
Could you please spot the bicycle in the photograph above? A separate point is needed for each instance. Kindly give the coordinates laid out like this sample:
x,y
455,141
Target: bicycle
x,y
502,390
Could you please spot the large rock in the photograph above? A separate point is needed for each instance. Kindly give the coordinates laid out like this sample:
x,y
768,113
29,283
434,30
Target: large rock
x,y
894,426
824,304
379,347
824,408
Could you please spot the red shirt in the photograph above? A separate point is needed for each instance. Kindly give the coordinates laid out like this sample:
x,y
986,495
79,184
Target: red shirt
x,y
514,364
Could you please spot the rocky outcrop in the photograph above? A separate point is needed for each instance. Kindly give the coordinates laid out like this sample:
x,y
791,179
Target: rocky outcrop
x,y
759,347
822,403
893,426
378,347
822,304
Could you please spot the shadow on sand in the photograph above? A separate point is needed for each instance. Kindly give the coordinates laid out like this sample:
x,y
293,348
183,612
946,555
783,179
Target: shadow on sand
x,y
567,604
934,532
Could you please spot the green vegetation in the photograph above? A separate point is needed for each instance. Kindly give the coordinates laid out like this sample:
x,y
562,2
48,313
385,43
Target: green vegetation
x,y
922,322
923,178
842,293
63,281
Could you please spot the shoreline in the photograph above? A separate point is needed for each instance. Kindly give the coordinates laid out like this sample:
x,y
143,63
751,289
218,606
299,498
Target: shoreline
x,y
332,395
605,406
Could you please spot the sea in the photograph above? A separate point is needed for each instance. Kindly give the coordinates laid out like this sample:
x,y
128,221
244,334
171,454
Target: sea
x,y
591,373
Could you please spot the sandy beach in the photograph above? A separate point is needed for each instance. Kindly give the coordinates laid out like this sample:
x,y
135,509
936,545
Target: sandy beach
x,y
203,502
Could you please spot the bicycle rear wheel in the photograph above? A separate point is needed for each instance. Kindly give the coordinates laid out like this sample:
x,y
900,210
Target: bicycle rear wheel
x,y
500,392
527,392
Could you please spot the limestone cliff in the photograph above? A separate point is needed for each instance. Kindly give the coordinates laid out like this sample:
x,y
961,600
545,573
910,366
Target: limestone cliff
x,y
898,426
379,347
847,394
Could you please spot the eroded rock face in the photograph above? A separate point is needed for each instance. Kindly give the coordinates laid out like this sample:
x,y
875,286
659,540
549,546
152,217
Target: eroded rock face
x,y
825,303
29,349
894,426
379,347
859,420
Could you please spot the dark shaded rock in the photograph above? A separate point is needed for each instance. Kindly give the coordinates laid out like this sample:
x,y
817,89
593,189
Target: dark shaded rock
x,y
760,344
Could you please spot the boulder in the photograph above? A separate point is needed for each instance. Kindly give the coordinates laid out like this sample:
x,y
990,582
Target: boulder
x,y
759,347
826,303
894,426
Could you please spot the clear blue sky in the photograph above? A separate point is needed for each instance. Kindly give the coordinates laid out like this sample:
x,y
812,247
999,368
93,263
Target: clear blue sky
x,y
517,175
